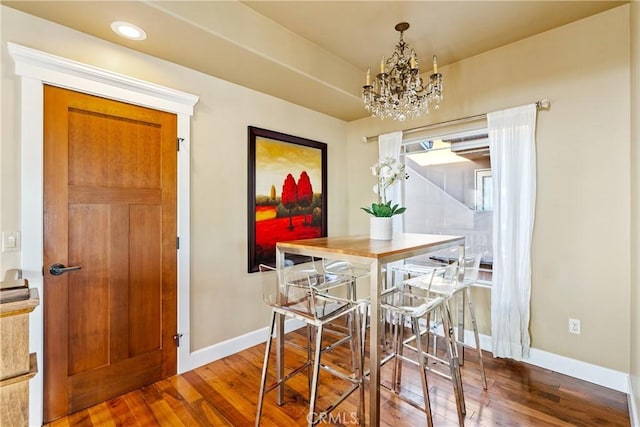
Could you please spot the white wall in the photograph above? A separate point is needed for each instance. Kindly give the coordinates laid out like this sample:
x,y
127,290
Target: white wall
x,y
581,265
635,214
226,301
581,258
9,167
220,285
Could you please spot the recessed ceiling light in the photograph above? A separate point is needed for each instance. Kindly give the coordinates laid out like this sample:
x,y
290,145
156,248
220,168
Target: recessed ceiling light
x,y
129,31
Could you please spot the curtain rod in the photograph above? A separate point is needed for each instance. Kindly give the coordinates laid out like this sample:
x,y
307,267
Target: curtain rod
x,y
542,104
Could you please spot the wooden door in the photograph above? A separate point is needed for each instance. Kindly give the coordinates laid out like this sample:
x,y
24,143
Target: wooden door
x,y
109,208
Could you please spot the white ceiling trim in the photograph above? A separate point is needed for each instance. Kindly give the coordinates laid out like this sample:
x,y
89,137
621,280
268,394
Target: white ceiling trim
x,y
74,75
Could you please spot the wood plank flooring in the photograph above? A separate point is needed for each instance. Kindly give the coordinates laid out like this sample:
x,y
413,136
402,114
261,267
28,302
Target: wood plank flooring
x,y
224,393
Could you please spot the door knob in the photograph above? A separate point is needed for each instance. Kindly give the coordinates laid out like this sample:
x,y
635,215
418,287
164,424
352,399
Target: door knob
x,y
58,269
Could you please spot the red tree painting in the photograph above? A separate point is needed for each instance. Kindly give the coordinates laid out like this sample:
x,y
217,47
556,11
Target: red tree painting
x,y
305,192
289,196
281,207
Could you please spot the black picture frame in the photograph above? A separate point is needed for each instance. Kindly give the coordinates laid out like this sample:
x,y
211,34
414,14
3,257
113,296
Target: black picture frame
x,y
275,160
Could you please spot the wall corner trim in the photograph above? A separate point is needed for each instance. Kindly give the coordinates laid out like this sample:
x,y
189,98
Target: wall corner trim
x,y
632,398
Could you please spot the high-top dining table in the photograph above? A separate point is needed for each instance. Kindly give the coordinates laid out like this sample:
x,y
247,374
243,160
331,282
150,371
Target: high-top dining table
x,y
375,253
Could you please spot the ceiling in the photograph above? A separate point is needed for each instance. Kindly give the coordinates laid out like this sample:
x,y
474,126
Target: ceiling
x,y
312,53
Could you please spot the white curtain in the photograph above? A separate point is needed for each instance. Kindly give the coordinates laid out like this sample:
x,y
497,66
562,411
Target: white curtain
x,y
513,165
389,146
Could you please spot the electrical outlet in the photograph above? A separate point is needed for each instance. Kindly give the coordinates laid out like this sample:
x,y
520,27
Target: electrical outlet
x,y
574,326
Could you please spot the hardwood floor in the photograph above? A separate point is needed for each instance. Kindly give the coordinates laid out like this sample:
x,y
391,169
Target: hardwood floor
x,y
224,393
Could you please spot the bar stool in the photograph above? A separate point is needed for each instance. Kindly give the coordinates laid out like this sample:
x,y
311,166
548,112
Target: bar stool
x,y
301,294
448,286
412,299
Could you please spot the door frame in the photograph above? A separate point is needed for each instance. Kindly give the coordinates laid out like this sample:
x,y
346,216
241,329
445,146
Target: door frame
x,y
36,68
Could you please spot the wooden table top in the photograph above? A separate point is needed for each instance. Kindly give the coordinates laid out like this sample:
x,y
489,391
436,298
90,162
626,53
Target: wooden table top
x,y
364,247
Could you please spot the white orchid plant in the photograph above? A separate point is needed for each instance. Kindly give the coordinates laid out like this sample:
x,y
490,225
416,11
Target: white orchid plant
x,y
387,171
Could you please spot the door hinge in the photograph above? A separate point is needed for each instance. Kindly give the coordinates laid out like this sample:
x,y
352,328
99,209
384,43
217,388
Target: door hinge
x,y
177,242
178,141
176,339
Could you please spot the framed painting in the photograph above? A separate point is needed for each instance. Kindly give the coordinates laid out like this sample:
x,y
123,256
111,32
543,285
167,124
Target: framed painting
x,y
287,187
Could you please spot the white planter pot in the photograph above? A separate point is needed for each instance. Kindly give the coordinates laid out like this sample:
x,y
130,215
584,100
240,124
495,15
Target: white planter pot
x,y
381,228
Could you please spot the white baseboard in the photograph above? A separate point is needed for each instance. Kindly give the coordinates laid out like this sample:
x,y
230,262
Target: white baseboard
x,y
234,345
599,375
605,377
633,397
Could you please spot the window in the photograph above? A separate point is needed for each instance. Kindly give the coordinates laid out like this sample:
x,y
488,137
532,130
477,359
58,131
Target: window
x,y
449,190
484,190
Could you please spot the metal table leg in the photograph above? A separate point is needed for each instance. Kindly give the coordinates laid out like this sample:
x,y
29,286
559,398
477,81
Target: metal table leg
x,y
461,299
279,339
374,347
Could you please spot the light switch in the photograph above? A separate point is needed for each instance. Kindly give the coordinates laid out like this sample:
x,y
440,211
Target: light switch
x,y
10,241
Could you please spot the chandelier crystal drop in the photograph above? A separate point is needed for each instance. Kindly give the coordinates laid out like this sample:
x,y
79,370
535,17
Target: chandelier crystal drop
x,y
399,92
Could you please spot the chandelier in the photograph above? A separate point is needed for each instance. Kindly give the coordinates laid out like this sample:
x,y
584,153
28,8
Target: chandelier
x,y
399,92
